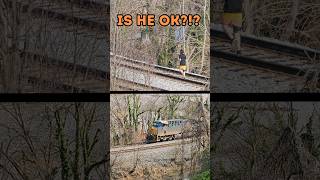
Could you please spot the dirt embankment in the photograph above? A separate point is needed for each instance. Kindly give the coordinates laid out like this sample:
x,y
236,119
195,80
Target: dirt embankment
x,y
170,171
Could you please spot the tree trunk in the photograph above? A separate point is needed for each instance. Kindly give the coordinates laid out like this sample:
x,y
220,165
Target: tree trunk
x,y
292,19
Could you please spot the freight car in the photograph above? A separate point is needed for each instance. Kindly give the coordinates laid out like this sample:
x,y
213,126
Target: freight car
x,y
168,130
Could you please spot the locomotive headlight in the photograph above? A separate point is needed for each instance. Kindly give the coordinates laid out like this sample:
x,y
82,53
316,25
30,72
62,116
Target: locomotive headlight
x,y
152,131
152,134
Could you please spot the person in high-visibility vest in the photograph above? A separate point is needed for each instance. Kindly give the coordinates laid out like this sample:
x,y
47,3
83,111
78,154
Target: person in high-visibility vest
x,y
232,22
183,62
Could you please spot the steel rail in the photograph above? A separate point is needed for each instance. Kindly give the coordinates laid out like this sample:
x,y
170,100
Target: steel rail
x,y
35,60
268,43
98,73
286,50
143,147
256,62
162,71
43,10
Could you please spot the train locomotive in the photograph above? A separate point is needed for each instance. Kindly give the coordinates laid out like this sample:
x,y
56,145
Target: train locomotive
x,y
167,130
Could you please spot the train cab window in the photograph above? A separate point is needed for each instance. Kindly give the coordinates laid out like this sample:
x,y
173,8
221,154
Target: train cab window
x,y
157,124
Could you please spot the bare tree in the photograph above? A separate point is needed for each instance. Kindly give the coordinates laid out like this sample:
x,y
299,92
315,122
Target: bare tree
x,y
63,141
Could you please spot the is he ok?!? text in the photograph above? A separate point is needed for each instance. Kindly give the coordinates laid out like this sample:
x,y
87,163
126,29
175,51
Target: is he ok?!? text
x,y
164,20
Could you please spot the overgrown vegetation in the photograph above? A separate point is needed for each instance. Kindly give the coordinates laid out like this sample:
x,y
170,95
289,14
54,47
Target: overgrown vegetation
x,y
265,140
155,107
202,176
161,45
53,141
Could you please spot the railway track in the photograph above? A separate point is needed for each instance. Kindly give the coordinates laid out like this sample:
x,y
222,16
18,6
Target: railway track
x,y
237,78
91,18
92,15
59,70
159,77
292,62
143,147
64,75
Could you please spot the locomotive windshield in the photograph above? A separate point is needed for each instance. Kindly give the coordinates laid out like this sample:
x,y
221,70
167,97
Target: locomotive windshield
x,y
157,124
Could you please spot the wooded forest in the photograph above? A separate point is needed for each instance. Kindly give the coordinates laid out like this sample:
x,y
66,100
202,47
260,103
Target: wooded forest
x,y
265,140
53,141
161,45
132,115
